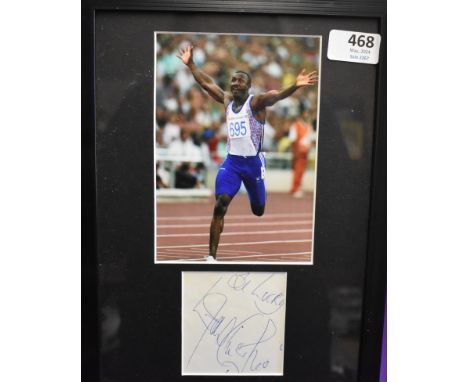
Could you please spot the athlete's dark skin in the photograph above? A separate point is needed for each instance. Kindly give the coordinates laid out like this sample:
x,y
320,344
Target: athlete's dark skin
x,y
240,85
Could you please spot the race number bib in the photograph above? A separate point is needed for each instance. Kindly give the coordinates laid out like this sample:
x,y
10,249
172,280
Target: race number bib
x,y
238,127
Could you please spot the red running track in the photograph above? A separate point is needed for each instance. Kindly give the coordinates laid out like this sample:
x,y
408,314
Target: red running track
x,y
283,234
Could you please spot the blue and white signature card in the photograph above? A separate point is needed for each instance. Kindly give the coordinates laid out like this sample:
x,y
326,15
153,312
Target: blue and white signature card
x,y
233,323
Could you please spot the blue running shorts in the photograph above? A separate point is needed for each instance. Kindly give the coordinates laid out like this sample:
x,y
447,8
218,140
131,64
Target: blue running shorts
x,y
237,169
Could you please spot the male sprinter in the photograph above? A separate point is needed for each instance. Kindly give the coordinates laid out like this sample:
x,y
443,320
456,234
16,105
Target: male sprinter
x,y
245,118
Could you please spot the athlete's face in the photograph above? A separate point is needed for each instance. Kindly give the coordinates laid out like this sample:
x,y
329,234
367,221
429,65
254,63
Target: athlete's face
x,y
239,84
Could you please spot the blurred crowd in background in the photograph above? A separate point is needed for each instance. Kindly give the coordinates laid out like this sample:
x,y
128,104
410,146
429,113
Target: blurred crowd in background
x,y
191,124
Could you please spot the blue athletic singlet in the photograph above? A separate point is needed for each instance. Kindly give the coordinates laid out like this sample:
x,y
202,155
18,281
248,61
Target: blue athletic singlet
x,y
244,162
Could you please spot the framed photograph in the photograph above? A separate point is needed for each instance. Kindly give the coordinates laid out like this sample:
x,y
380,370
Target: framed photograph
x,y
234,190
211,159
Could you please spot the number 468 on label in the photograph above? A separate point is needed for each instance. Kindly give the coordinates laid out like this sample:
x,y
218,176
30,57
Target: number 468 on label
x,y
354,46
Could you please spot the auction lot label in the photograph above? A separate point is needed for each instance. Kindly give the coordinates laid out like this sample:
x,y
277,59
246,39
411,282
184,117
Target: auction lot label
x,y
351,46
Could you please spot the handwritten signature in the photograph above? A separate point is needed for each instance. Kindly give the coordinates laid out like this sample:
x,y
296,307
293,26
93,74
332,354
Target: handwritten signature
x,y
238,341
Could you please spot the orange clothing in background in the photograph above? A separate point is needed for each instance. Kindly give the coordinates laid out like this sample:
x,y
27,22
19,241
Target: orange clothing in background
x,y
299,134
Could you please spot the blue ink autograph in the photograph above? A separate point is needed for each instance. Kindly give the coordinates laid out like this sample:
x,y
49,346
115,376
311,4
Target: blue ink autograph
x,y
237,341
267,302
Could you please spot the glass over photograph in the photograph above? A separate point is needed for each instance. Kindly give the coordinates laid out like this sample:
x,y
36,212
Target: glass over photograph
x,y
235,147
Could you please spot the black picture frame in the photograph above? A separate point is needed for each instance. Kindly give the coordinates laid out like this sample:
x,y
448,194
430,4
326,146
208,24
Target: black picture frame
x,y
374,280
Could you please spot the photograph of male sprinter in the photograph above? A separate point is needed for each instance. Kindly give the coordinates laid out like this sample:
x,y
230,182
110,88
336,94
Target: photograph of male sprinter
x,y
245,119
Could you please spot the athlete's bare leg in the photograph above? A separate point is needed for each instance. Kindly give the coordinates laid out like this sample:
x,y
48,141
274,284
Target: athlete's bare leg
x,y
217,222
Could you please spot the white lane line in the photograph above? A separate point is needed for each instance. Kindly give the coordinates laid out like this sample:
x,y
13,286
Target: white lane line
x,y
184,252
292,254
240,233
199,251
178,253
246,243
200,260
269,254
270,259
226,252
235,224
229,217
220,251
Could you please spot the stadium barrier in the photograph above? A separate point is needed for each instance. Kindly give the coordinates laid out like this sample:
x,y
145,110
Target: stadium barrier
x,y
278,176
